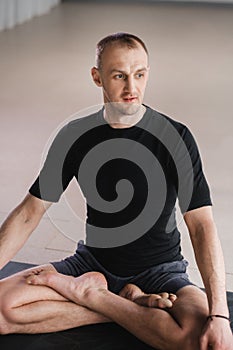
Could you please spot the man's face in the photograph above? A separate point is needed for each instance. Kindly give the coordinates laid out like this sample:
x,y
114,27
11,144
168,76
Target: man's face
x,y
123,77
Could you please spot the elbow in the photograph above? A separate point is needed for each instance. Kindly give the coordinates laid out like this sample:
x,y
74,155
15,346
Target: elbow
x,y
26,216
204,228
200,222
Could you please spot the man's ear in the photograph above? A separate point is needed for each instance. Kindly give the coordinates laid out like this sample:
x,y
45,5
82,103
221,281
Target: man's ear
x,y
96,76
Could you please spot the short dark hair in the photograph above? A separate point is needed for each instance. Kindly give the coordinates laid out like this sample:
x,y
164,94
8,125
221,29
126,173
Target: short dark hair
x,y
121,38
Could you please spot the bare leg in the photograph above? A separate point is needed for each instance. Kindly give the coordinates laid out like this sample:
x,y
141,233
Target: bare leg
x,y
130,291
180,328
39,309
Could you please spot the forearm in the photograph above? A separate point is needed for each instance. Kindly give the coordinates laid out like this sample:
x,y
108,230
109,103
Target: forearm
x,y
210,262
14,232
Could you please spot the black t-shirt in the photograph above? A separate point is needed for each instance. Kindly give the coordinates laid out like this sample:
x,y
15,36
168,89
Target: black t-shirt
x,y
131,179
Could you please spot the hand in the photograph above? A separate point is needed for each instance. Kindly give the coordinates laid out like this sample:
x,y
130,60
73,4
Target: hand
x,y
217,335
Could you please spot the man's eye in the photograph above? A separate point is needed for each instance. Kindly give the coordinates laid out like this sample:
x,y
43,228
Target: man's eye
x,y
119,76
140,75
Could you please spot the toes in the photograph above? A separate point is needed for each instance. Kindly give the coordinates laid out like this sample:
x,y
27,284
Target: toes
x,y
35,279
161,300
163,303
153,301
38,277
164,295
31,280
33,273
172,297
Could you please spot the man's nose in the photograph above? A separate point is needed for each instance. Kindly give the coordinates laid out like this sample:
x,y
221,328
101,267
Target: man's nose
x,y
130,85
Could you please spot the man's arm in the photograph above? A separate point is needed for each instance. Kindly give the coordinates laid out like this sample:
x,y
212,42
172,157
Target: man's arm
x,y
209,257
18,226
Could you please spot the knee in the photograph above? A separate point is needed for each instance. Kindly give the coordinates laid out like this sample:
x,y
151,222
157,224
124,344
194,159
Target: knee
x,y
5,329
6,317
4,325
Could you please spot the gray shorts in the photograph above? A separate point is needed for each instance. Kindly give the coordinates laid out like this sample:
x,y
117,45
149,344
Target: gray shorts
x,y
167,277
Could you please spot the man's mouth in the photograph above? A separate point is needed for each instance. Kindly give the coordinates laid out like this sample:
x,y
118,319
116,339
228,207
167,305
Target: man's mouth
x,y
130,99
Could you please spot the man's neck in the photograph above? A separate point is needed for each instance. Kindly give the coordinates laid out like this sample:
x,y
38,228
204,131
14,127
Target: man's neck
x,y
122,121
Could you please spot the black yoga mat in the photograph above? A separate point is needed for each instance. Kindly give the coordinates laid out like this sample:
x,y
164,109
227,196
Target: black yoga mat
x,y
107,336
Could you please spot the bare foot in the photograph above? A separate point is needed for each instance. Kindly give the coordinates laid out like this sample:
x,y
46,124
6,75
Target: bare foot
x,y
135,294
70,287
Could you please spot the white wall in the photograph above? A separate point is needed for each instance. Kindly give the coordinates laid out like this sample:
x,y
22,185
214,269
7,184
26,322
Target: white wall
x,y
14,12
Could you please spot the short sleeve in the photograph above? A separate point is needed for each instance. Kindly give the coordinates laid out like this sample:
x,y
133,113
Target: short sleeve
x,y
193,189
57,170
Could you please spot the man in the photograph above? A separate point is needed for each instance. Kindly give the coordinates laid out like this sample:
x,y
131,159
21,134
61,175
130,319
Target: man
x,y
132,254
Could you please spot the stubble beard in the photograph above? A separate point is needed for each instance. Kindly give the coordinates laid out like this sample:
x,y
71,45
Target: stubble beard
x,y
123,108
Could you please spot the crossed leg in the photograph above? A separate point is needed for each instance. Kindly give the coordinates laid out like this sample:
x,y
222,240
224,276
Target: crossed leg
x,y
41,309
180,328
